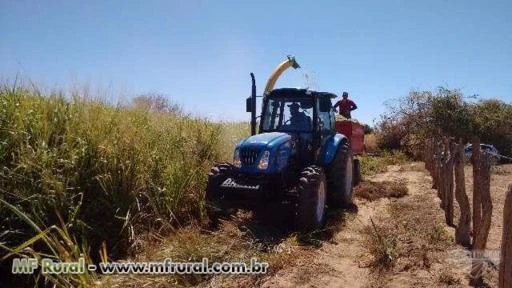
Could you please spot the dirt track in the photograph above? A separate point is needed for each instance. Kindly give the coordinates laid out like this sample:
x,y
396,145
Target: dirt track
x,y
343,261
338,257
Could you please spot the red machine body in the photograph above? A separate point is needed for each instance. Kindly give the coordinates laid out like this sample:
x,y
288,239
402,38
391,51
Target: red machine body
x,y
355,134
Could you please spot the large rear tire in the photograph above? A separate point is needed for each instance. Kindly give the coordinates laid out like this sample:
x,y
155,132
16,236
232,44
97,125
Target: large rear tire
x,y
215,206
340,178
311,191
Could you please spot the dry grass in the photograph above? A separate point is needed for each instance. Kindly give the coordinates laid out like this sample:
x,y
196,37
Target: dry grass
x,y
372,191
381,244
238,239
411,236
370,143
447,277
502,170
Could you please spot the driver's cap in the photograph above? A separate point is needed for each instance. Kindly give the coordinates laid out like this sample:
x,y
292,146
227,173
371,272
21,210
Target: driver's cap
x,y
294,105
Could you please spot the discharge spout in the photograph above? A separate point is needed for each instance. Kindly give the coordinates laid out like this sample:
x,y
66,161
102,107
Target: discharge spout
x,y
290,62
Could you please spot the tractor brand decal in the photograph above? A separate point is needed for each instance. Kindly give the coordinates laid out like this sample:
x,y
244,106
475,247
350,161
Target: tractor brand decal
x,y
230,183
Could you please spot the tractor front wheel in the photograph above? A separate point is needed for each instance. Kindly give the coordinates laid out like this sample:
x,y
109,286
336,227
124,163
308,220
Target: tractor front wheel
x,y
311,191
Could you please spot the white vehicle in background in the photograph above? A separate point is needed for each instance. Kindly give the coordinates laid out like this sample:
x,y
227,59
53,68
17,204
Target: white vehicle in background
x,y
488,149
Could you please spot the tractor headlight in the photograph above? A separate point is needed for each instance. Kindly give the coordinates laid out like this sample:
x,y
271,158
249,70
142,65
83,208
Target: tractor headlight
x,y
236,159
264,161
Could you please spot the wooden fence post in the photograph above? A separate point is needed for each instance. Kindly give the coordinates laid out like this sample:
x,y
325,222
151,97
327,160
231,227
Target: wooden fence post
x,y
437,167
439,173
448,181
431,157
441,184
483,192
426,156
505,279
477,200
463,230
485,195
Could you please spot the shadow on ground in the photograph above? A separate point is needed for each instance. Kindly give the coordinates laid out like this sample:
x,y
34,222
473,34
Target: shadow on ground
x,y
270,230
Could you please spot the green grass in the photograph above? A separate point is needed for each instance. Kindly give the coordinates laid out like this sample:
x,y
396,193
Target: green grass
x,y
232,133
61,246
371,165
110,171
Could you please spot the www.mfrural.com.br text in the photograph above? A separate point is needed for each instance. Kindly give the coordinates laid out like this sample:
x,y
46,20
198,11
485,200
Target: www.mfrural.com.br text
x,y
167,266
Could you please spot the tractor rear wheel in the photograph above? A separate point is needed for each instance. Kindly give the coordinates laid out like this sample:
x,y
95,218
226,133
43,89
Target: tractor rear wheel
x,y
215,207
340,178
311,191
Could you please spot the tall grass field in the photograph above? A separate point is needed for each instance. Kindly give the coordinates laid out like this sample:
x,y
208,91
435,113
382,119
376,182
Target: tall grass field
x,y
79,170
82,177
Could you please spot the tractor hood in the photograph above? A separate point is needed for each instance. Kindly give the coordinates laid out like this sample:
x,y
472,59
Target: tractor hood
x,y
268,141
273,149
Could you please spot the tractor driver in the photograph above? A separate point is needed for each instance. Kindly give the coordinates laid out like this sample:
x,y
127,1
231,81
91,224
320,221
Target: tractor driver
x,y
298,120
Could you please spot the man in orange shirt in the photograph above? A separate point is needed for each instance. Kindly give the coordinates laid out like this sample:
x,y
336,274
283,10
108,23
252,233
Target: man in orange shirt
x,y
346,105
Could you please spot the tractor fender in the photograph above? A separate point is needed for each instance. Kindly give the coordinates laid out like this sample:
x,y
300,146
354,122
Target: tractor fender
x,y
328,152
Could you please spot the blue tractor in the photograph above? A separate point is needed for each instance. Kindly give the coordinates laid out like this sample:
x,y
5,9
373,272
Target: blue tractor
x,y
297,162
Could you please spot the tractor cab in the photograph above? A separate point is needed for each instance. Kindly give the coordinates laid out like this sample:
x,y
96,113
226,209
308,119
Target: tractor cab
x,y
307,116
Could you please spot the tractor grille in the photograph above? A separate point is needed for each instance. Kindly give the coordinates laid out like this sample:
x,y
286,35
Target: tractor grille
x,y
248,155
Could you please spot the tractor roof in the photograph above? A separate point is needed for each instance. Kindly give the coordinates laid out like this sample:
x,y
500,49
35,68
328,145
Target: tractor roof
x,y
296,92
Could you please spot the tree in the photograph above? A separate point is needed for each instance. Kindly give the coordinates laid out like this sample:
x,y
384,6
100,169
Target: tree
x,y
157,103
423,115
405,124
494,124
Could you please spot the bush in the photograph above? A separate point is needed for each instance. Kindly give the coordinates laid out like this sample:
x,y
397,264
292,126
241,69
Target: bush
x,y
381,242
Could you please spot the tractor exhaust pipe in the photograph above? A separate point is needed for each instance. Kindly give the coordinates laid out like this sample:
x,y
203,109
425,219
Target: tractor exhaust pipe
x,y
253,105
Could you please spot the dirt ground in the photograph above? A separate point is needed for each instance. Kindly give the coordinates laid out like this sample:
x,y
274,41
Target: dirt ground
x,y
342,262
421,246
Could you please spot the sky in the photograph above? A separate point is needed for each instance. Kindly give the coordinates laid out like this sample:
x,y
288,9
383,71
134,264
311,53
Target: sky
x,y
200,53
